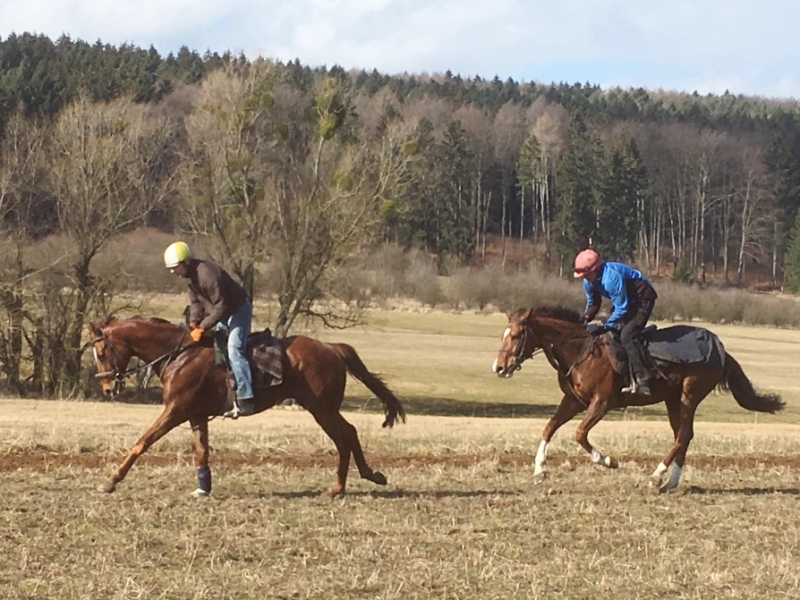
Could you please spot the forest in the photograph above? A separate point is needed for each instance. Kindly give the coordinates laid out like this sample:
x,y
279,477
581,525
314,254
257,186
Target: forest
x,y
286,172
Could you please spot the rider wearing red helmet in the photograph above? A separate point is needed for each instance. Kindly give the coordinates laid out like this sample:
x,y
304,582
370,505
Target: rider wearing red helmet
x,y
632,297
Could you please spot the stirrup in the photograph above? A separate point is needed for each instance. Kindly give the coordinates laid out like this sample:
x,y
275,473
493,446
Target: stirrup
x,y
637,388
232,413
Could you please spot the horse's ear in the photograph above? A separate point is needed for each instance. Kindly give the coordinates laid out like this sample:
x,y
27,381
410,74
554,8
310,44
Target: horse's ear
x,y
509,314
526,315
94,330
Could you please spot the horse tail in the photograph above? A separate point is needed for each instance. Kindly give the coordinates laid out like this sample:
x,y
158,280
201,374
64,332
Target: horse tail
x,y
736,382
391,405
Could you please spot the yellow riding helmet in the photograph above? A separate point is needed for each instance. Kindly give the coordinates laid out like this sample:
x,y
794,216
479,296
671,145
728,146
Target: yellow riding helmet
x,y
176,253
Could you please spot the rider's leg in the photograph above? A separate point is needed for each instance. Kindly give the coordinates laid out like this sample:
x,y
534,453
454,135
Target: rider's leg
x,y
239,328
630,337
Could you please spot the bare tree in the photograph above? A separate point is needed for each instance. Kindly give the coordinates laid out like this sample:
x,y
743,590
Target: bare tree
x,y
274,169
106,173
23,172
328,205
232,139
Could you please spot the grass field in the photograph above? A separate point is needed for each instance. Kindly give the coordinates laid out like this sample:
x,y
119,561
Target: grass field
x,y
461,516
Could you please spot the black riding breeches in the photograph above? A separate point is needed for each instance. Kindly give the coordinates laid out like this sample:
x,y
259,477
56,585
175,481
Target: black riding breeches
x,y
630,337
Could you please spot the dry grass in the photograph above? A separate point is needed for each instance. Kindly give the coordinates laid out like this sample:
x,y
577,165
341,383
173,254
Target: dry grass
x,y
461,517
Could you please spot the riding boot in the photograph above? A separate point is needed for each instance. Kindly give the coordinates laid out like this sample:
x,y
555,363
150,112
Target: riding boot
x,y
247,406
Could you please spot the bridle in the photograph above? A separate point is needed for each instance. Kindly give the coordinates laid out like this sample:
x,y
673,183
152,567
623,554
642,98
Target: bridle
x,y
115,358
519,354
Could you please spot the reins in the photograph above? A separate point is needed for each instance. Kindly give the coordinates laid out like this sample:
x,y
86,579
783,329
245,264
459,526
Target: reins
x,y
586,351
120,375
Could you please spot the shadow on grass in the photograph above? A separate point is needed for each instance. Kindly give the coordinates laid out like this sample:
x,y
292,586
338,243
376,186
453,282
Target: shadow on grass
x,y
749,491
450,407
397,494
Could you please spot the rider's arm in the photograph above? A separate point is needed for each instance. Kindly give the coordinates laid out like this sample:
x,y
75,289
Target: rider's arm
x,y
213,293
195,307
593,301
614,284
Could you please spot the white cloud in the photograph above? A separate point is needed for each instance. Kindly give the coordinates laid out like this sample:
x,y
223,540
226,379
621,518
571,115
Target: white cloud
x,y
711,44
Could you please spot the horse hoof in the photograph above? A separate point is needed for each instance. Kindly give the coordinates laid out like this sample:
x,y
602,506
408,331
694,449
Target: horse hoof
x,y
611,463
539,478
655,482
379,478
335,491
107,487
198,493
666,488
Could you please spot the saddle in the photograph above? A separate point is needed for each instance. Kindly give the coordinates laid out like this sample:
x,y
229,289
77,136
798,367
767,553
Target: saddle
x,y
264,353
678,344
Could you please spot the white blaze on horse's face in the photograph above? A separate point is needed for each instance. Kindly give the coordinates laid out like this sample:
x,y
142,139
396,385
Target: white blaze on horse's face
x,y
109,383
495,364
501,364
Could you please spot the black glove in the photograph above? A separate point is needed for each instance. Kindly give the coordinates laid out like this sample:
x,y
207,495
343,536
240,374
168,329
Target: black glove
x,y
595,329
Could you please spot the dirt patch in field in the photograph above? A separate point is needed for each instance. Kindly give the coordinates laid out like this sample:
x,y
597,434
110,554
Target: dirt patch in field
x,y
45,461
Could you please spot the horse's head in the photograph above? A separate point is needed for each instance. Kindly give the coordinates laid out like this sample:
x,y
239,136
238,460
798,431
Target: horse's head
x,y
531,329
516,345
110,356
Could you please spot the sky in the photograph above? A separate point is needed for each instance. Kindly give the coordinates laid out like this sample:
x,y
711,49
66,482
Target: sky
x,y
743,46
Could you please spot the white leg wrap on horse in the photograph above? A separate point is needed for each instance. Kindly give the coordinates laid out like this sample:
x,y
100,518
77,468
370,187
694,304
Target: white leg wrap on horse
x,y
660,470
541,455
596,456
674,477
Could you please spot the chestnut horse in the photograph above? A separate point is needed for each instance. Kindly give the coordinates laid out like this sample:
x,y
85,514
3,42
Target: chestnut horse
x,y
195,389
589,382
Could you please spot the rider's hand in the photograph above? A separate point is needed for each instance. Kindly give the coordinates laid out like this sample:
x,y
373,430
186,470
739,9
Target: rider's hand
x,y
595,329
196,334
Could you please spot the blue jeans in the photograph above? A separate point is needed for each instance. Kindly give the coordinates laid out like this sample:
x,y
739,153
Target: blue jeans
x,y
238,328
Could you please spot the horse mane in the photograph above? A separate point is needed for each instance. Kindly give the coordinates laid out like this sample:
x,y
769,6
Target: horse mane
x,y
139,318
560,313
152,320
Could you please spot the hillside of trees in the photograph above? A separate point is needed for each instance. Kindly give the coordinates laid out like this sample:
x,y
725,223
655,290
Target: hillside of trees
x,y
285,172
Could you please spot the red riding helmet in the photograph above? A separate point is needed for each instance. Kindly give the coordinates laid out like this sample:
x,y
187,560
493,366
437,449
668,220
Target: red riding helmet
x,y
587,261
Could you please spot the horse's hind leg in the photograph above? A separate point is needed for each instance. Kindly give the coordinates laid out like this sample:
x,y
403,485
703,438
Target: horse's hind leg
x,y
168,420
358,456
673,404
333,427
677,455
345,438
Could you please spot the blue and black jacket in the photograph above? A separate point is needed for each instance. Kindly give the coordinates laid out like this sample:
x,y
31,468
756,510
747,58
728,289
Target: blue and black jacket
x,y
626,287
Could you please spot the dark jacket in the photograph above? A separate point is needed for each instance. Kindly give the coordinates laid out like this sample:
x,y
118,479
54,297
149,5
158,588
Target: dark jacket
x,y
213,294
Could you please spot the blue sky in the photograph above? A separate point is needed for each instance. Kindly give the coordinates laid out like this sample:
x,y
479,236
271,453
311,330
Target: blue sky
x,y
708,46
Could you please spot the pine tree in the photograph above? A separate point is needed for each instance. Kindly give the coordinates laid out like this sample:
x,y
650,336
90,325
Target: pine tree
x,y
575,223
792,259
623,182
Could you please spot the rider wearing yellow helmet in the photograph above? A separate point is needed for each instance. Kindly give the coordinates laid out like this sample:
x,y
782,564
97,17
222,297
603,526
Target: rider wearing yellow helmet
x,y
217,300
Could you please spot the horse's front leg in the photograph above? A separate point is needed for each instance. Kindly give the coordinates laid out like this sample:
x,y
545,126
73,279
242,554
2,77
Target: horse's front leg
x,y
200,429
569,407
168,420
598,407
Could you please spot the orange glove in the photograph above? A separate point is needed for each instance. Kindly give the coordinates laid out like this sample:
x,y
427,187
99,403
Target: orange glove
x,y
196,334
